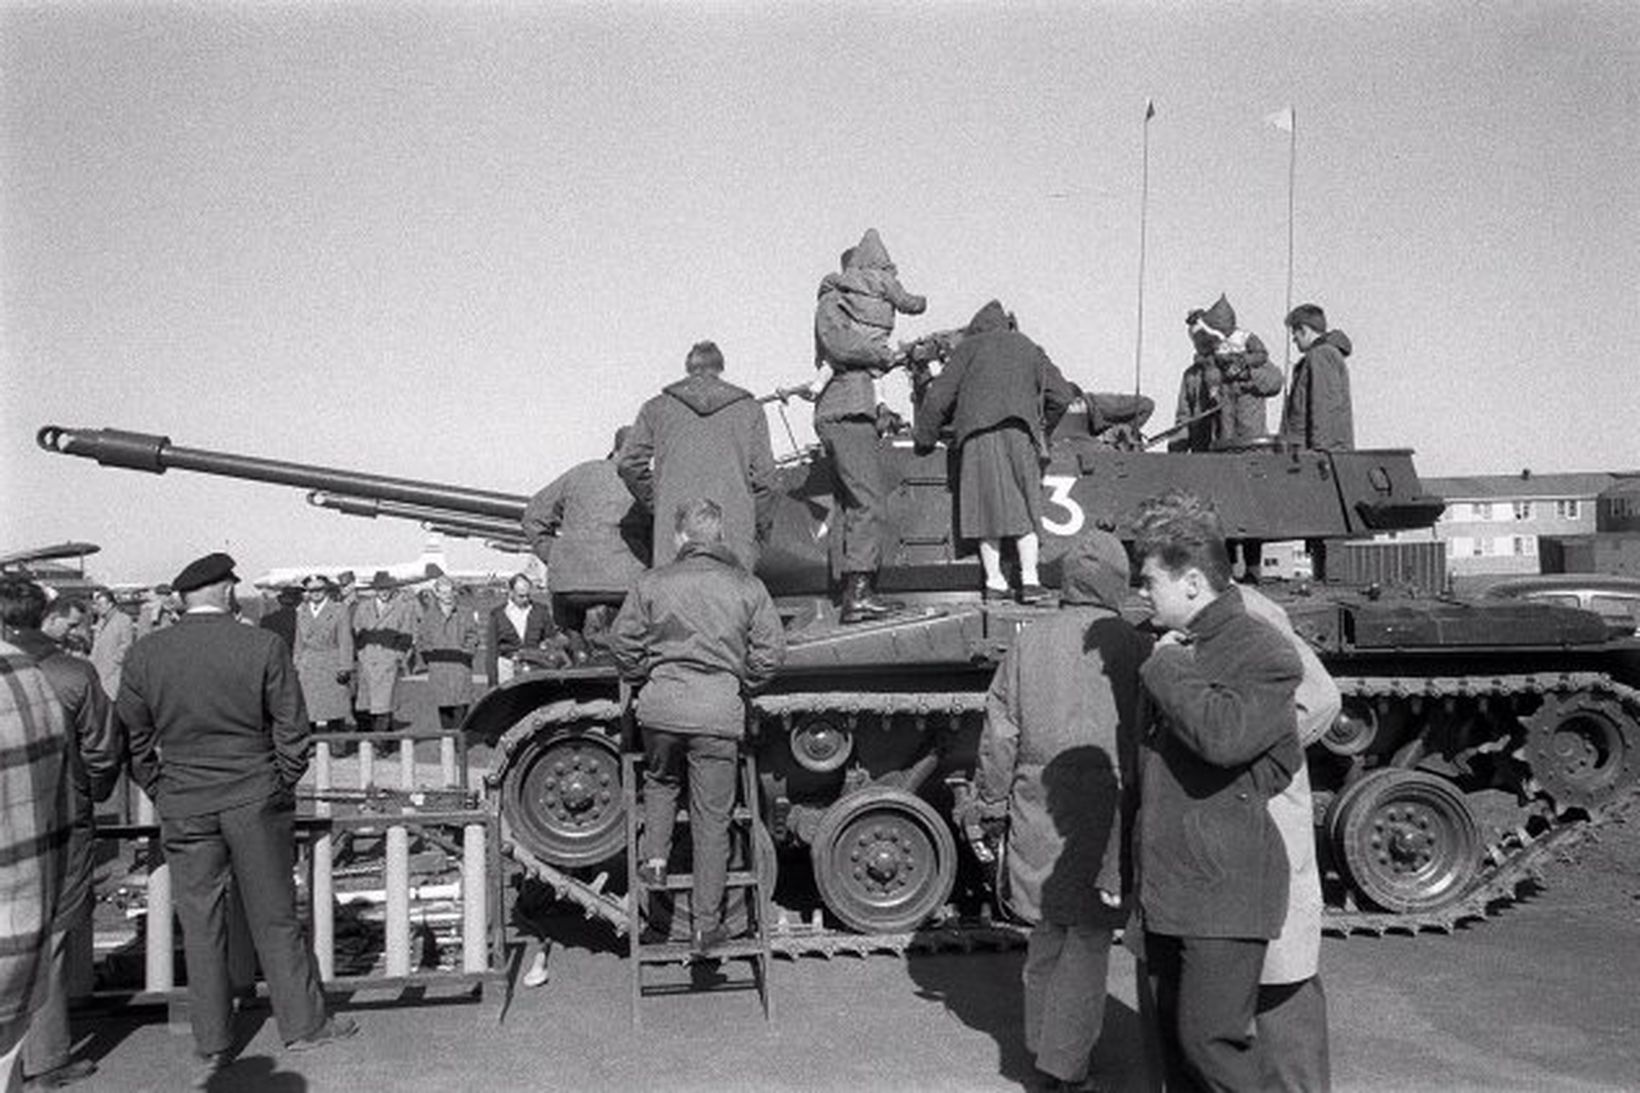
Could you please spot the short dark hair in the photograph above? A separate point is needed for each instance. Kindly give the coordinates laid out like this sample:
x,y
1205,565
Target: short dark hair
x,y
700,521
1183,531
102,594
22,603
1309,315
516,577
703,357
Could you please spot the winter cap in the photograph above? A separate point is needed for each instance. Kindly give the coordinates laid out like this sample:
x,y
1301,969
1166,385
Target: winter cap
x,y
1221,316
1094,570
1309,315
210,569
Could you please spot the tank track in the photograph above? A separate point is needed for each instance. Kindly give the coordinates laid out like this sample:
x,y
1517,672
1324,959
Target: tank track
x,y
1515,859
1518,857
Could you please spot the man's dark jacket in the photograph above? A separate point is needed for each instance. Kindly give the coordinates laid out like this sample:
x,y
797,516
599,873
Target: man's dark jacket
x,y
501,640
995,374
1210,860
1318,413
697,634
214,714
96,751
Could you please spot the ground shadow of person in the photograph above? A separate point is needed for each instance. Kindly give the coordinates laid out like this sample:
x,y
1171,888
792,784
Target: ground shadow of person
x,y
255,1074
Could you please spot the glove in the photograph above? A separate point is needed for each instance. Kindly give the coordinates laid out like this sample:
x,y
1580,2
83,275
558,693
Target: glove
x,y
344,676
922,447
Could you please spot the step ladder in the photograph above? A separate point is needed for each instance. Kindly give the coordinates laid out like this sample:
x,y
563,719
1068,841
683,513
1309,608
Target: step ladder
x,y
744,825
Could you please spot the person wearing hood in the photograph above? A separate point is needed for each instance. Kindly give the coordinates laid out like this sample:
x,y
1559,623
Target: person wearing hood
x,y
590,533
1318,413
1062,724
1001,396
702,437
1222,392
852,323
695,635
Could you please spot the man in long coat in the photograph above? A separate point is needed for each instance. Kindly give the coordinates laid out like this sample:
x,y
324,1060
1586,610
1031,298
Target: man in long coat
x,y
1002,396
323,651
446,639
219,740
1061,731
384,627
111,639
703,437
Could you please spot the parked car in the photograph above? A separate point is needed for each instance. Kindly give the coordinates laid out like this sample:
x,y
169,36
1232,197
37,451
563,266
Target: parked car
x,y
1616,599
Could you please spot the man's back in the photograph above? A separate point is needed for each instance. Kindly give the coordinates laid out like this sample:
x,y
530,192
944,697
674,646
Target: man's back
x,y
221,703
599,538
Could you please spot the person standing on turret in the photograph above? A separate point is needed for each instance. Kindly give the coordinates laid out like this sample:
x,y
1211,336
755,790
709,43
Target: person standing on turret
x,y
1318,413
702,437
1222,392
853,319
1002,396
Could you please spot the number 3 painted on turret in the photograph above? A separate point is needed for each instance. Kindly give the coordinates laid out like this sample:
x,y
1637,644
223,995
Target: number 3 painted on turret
x,y
1059,493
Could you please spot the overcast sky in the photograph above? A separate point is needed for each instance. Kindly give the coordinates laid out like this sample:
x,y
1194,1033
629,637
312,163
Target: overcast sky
x,y
464,242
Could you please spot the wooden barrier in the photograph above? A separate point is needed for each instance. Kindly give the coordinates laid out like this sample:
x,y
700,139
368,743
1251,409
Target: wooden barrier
x,y
372,827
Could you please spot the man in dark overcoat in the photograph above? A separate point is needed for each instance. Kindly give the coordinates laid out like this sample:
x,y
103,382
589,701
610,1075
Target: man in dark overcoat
x,y
1212,871
703,437
1002,397
695,635
218,739
1062,722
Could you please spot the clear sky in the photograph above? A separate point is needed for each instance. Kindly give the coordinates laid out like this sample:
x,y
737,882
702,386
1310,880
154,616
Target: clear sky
x,y
464,242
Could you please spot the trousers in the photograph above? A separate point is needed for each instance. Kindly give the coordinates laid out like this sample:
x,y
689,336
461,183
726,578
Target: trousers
x,y
852,445
1292,1025
710,762
253,845
49,1042
1065,971
1205,993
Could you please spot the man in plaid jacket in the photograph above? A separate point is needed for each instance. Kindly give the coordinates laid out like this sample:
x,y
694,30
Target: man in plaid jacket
x,y
33,845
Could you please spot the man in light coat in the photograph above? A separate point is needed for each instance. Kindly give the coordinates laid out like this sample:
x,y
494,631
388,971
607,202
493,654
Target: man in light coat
x,y
323,651
111,639
384,627
1061,731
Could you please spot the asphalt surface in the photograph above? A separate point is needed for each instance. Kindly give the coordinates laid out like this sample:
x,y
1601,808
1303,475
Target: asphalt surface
x,y
1539,997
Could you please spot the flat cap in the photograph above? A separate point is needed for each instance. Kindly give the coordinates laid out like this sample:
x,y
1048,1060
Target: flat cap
x,y
210,569
316,581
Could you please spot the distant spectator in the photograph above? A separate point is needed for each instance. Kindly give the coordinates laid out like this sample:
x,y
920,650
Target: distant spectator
x,y
446,639
517,625
323,652
384,628
111,639
160,608
282,619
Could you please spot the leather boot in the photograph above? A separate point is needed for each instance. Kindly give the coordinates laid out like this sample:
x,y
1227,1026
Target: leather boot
x,y
858,604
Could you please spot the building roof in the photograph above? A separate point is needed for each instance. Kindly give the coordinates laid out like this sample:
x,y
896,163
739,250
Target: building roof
x,y
1505,487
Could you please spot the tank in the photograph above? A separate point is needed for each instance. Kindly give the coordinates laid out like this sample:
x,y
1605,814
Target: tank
x,y
1475,739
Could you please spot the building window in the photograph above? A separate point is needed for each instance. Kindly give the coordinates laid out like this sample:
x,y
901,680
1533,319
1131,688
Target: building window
x,y
1525,545
1483,510
1523,510
1566,510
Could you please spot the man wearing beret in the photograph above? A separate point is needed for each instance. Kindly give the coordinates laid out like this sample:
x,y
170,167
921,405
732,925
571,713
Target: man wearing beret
x,y
218,739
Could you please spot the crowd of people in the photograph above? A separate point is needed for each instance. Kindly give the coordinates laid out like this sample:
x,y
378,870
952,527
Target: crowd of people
x,y
1149,781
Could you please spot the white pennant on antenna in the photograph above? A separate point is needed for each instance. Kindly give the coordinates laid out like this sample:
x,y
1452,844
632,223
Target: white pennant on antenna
x,y
1282,119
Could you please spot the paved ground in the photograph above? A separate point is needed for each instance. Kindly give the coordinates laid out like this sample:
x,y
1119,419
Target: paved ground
x,y
1540,997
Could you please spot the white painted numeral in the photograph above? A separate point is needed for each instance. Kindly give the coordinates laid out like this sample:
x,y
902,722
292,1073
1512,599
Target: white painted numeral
x,y
1059,493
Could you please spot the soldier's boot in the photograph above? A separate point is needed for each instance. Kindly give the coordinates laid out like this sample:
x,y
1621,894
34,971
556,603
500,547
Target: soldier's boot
x,y
859,605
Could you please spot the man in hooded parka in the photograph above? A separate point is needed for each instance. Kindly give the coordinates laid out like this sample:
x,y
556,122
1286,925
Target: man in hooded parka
x,y
852,323
1222,392
1318,412
1060,739
702,437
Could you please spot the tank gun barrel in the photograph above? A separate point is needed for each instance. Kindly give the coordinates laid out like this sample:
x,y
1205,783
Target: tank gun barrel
x,y
156,455
445,521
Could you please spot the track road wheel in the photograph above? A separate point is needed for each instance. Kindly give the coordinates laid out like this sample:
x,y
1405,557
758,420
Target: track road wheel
x,y
884,860
1406,839
561,797
1581,748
